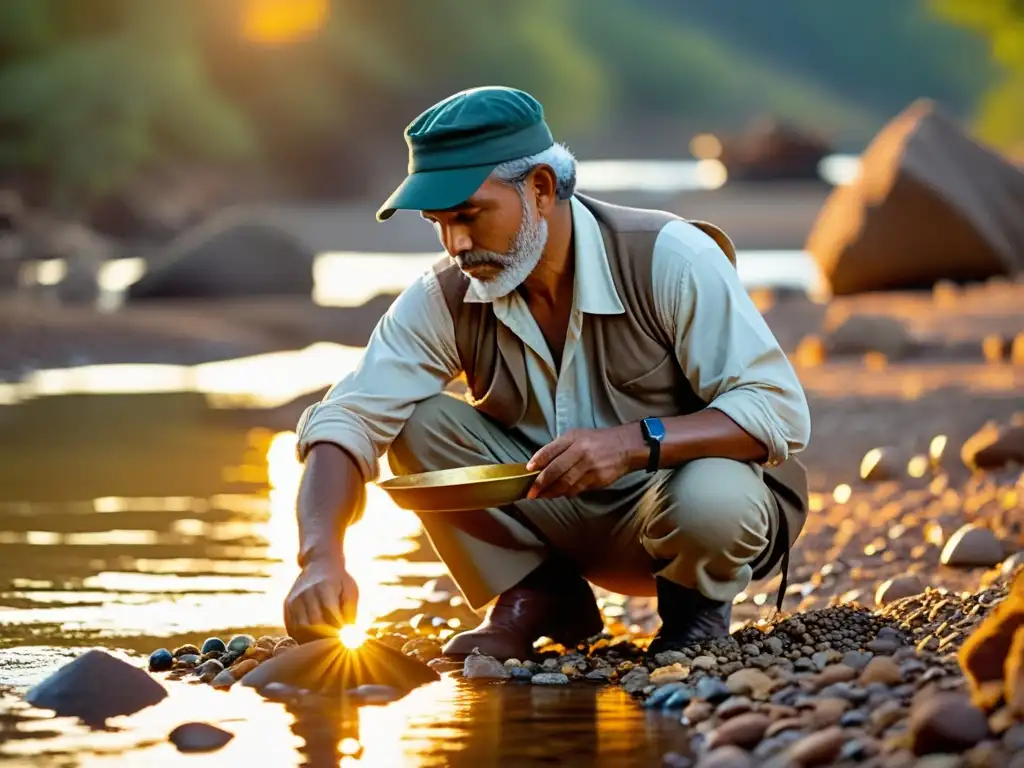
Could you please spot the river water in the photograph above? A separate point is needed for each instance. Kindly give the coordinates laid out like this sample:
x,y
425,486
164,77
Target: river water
x,y
133,517
135,572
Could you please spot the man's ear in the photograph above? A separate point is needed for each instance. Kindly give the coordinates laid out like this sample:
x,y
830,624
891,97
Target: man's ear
x,y
544,183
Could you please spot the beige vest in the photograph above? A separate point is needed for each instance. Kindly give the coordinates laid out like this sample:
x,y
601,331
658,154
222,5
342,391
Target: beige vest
x,y
640,376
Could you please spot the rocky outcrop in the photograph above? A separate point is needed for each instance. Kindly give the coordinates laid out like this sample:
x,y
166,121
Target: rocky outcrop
x,y
232,254
930,203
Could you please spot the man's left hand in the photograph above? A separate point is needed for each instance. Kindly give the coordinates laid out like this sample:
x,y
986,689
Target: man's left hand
x,y
586,459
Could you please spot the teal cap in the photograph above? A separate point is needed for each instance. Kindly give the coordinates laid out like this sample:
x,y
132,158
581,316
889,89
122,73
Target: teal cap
x,y
455,144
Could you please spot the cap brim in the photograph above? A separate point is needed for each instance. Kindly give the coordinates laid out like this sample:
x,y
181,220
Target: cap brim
x,y
435,190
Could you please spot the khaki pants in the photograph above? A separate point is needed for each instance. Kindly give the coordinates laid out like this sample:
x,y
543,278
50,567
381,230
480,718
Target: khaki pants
x,y
702,525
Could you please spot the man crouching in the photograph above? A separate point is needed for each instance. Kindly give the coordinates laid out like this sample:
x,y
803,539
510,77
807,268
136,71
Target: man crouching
x,y
612,348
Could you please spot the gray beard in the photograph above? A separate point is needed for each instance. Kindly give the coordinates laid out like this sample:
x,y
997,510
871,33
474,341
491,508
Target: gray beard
x,y
516,265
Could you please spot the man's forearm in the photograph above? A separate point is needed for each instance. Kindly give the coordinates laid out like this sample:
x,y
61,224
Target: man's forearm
x,y
331,495
706,433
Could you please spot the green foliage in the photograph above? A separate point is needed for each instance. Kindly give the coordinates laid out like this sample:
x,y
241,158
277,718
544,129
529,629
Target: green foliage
x,y
91,112
95,92
1001,23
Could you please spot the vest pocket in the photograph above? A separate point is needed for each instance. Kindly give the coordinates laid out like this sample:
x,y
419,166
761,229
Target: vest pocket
x,y
661,376
655,393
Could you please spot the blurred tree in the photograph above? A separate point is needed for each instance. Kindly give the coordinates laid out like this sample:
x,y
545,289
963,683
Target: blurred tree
x,y
97,91
1001,23
93,94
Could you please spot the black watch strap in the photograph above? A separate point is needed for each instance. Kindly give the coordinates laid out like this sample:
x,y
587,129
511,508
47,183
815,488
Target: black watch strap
x,y
653,432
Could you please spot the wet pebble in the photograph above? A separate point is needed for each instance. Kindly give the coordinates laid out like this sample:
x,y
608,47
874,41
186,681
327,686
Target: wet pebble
x,y
744,730
240,643
946,722
713,690
285,645
696,712
750,682
853,719
972,545
704,662
733,706
818,748
668,658
244,667
199,737
522,674
212,644
186,650
600,675
661,696
725,757
898,588
480,667
224,679
882,669
635,680
160,660
673,674
188,660
208,670
1013,738
857,659
550,678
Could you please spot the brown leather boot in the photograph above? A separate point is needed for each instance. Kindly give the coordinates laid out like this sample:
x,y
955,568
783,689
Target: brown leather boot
x,y
551,601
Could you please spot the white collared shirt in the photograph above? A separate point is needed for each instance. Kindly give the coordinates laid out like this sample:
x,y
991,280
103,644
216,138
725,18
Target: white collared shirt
x,y
730,357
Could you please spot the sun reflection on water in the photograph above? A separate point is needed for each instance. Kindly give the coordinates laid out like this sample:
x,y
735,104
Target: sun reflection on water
x,y
384,530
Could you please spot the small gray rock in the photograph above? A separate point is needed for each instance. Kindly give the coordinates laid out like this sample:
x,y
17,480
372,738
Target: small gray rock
x,y
972,545
662,695
820,660
668,658
550,678
199,737
223,679
853,719
1013,739
774,646
857,659
480,667
713,690
523,674
601,674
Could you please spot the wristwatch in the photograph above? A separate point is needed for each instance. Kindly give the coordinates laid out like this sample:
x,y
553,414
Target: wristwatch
x,y
654,432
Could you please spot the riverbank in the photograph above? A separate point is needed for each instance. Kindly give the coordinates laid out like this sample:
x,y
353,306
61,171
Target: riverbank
x,y
933,368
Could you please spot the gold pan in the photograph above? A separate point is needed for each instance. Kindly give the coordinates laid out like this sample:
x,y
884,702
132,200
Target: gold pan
x,y
455,490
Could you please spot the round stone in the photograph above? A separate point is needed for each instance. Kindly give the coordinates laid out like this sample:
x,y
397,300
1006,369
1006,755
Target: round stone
x,y
212,644
160,660
240,643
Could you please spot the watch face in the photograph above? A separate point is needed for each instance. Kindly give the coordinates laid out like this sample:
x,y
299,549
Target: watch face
x,y
654,428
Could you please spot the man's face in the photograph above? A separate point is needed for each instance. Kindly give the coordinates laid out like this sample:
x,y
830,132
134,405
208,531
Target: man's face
x,y
496,237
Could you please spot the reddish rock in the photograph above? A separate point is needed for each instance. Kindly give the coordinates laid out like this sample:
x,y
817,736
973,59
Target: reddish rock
x,y
985,655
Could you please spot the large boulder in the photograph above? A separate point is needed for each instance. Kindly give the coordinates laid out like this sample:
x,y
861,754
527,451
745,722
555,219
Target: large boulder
x,y
773,151
929,204
95,687
232,254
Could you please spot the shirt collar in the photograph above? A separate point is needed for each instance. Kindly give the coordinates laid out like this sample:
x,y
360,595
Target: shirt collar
x,y
595,288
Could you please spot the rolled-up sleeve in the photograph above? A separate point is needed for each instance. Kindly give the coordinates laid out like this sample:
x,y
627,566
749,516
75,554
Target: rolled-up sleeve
x,y
411,356
729,355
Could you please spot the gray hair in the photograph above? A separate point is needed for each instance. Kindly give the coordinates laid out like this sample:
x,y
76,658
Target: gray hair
x,y
558,156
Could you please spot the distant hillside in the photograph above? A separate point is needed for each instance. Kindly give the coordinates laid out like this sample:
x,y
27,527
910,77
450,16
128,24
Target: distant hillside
x,y
871,57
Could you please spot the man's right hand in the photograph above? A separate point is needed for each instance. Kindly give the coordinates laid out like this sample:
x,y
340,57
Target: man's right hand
x,y
322,600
